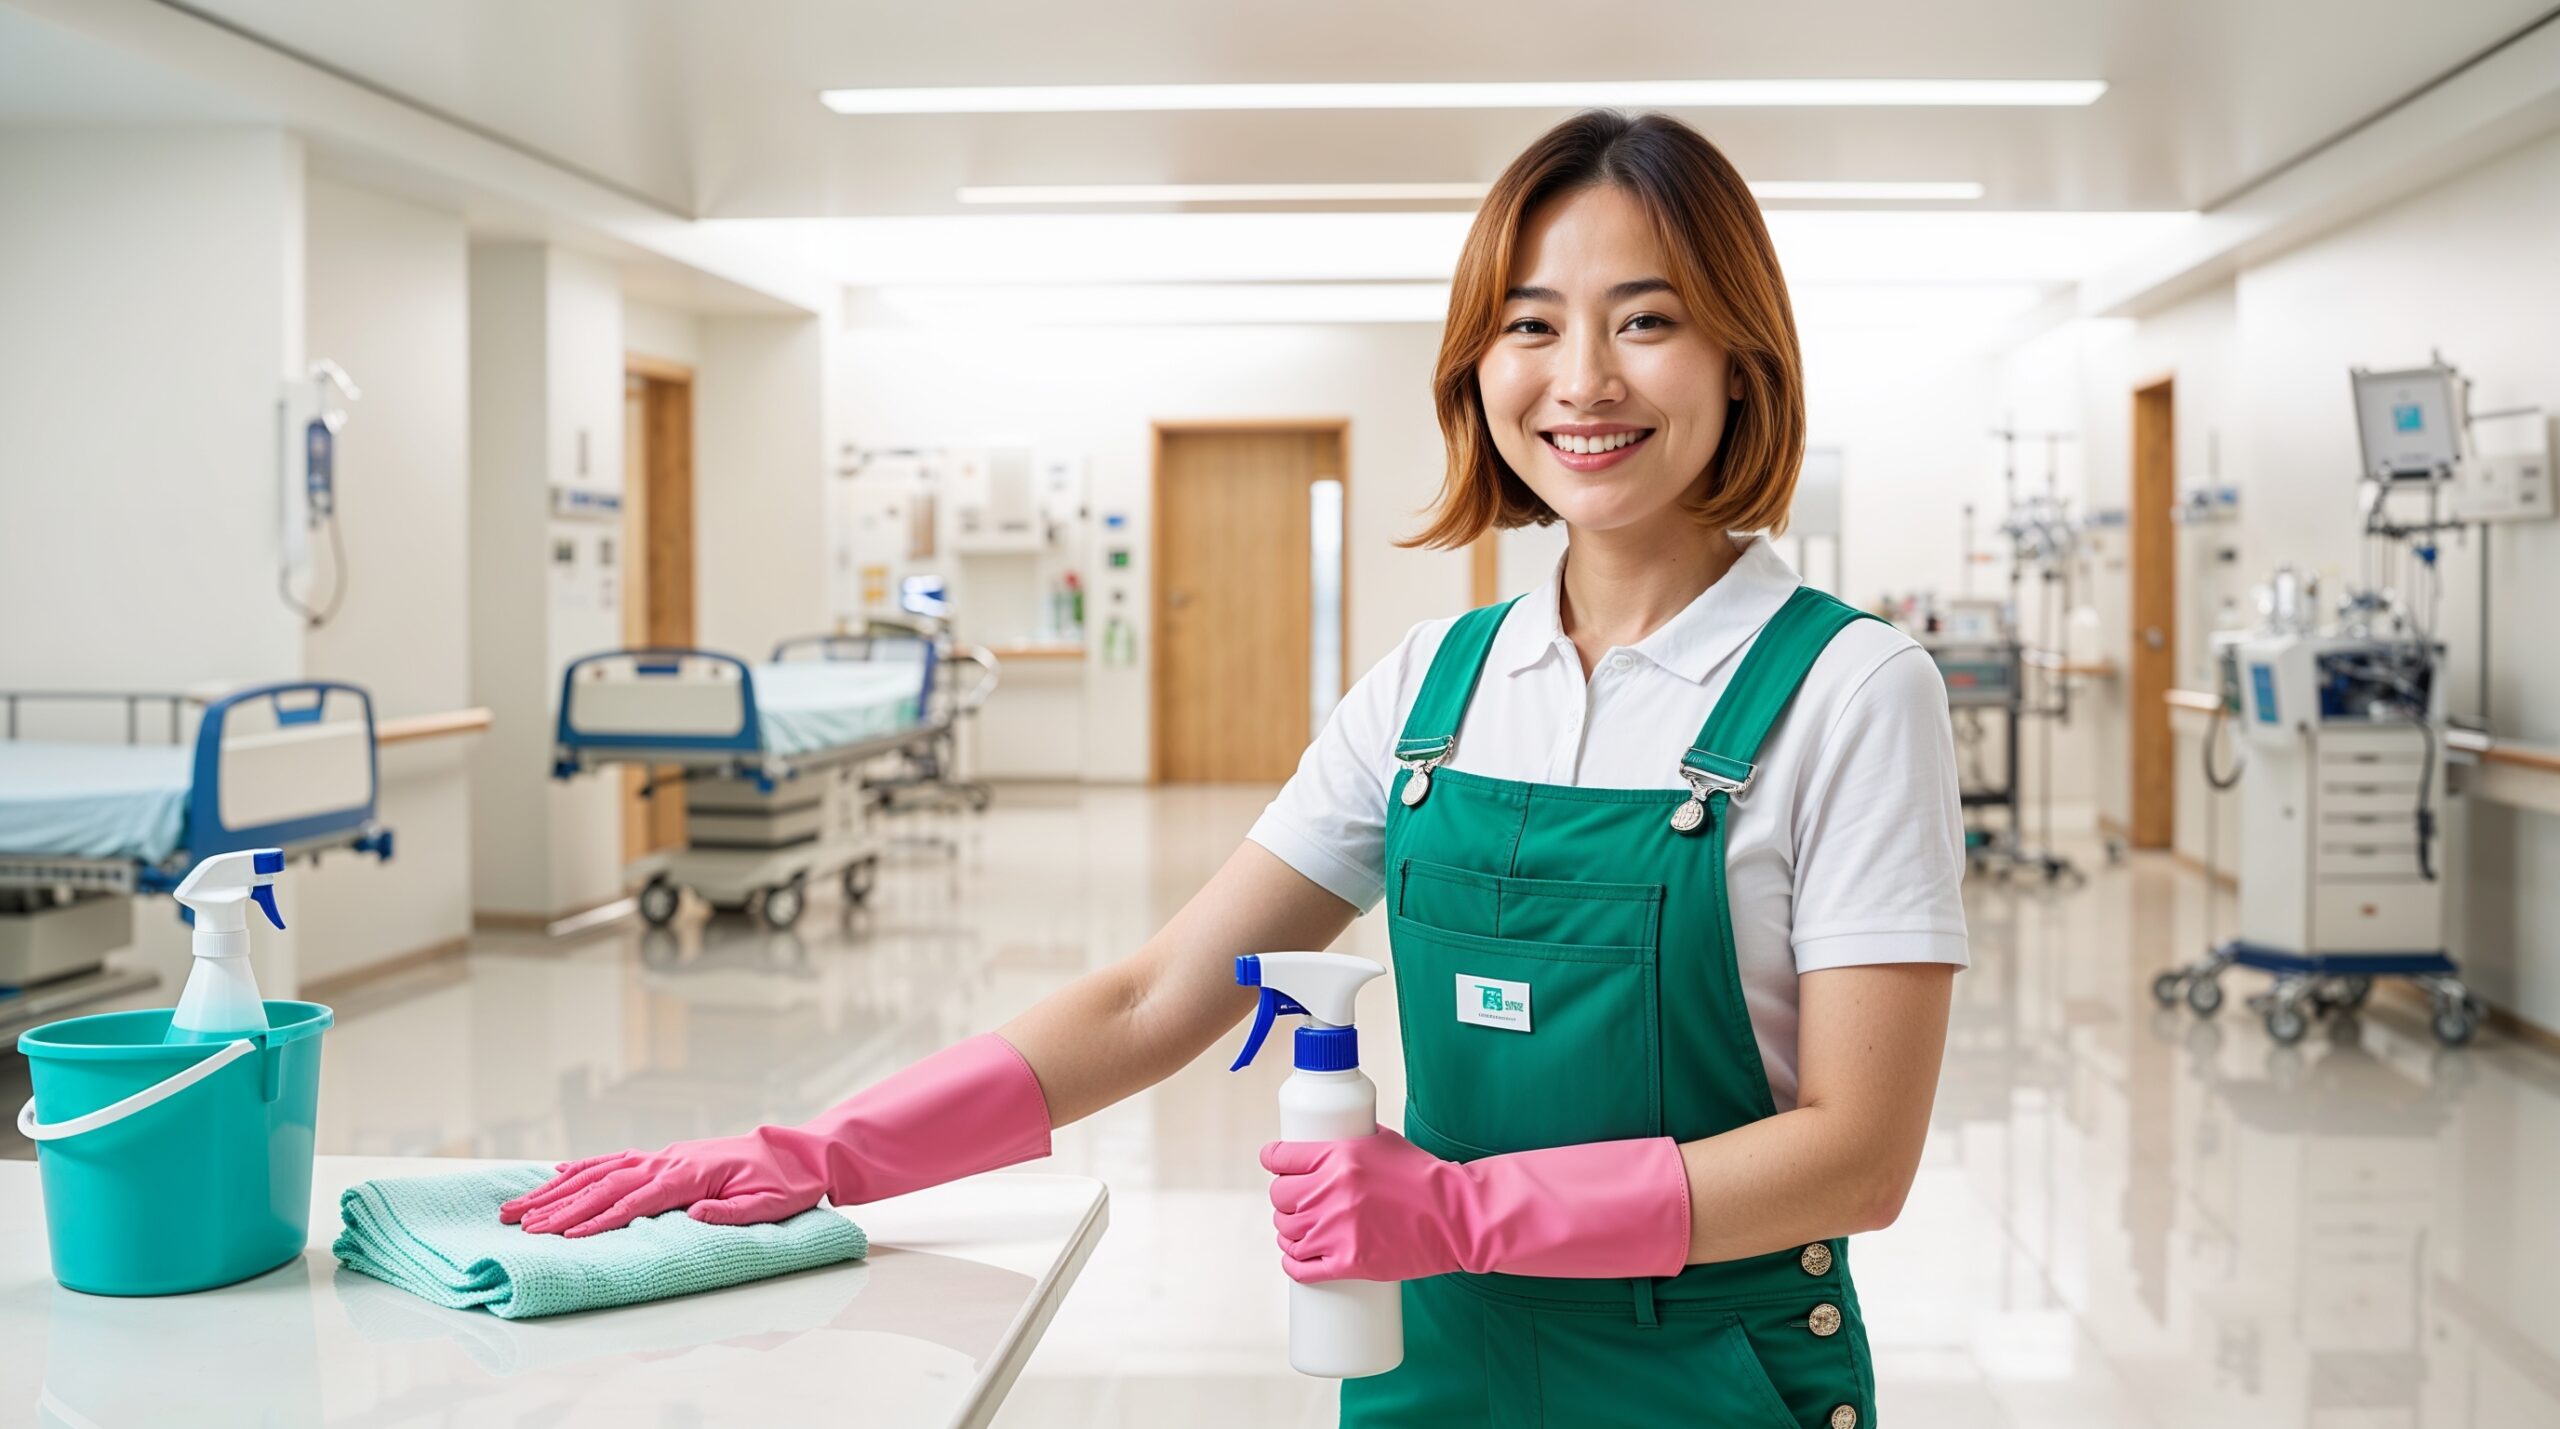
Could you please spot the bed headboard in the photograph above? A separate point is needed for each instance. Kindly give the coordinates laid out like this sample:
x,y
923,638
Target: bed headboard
x,y
682,701
282,764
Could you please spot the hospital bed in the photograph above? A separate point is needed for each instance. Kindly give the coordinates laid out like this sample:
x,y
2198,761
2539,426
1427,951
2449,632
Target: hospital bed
x,y
88,818
771,758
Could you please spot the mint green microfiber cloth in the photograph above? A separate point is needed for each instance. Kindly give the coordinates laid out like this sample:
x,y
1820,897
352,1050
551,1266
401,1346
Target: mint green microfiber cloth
x,y
439,1238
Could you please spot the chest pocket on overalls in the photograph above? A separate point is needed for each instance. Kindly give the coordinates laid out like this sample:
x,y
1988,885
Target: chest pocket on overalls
x,y
1545,1026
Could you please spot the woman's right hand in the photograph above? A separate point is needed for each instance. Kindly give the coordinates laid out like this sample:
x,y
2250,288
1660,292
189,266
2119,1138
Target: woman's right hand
x,y
973,1106
767,1174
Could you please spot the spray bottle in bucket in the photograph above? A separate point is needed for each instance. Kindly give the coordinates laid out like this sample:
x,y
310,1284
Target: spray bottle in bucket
x,y
175,1146
1341,1329
221,999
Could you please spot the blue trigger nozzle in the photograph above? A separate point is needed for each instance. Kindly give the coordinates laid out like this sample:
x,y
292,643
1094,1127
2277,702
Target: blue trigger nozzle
x,y
267,861
264,895
1274,1004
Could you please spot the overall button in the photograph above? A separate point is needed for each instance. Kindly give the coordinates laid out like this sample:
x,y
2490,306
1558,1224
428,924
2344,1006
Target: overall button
x,y
1619,662
1824,1321
1844,1417
1816,1259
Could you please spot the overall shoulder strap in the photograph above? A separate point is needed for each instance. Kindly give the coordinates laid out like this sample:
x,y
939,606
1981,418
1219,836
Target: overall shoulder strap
x,y
1431,728
1771,671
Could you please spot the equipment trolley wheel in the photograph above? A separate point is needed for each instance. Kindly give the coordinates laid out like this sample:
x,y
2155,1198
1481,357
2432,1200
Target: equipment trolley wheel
x,y
2205,996
659,901
2456,1020
2286,1024
2353,995
783,904
860,877
2168,987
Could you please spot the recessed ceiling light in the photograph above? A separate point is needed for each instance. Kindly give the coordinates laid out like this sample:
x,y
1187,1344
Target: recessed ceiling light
x,y
1879,191
1564,94
1220,193
1783,190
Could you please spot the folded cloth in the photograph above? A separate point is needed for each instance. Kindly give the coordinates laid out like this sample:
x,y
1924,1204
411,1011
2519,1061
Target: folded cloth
x,y
439,1238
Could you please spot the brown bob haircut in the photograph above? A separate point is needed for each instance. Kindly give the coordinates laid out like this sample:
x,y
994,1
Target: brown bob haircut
x,y
1723,267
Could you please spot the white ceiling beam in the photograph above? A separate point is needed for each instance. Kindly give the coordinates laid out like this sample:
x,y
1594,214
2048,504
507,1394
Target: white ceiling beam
x,y
2507,98
352,119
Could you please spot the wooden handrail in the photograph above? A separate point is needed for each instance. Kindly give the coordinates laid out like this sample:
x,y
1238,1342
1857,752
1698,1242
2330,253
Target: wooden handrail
x,y
430,726
2198,700
1037,652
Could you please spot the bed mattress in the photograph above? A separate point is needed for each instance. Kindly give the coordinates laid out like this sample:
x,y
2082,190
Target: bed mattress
x,y
805,706
94,800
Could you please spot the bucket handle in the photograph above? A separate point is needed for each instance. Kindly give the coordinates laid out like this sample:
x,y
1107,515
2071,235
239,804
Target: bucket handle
x,y
143,1100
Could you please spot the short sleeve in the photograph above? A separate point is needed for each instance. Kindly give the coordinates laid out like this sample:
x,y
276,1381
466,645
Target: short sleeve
x,y
1879,838
1330,820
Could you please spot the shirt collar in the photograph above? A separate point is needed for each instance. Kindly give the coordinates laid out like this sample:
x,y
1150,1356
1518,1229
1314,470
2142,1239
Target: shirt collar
x,y
1690,644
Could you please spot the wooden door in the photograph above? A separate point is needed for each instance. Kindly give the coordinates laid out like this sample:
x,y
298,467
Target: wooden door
x,y
1234,600
2154,556
657,563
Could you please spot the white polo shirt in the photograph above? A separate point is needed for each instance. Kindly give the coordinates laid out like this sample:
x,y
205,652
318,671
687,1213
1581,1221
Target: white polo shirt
x,y
1848,848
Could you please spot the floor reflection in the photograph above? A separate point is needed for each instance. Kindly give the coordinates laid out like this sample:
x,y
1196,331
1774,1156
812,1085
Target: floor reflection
x,y
2126,1216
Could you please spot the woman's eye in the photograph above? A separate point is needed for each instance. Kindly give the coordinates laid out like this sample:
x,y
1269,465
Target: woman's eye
x,y
1647,322
1531,326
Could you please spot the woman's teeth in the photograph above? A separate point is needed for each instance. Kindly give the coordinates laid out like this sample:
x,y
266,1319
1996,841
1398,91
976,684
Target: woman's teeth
x,y
1592,446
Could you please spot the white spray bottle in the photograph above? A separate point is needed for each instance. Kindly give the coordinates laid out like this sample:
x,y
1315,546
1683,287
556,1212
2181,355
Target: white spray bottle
x,y
1342,1329
221,999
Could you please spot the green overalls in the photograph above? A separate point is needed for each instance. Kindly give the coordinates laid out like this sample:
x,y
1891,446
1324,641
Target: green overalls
x,y
1564,961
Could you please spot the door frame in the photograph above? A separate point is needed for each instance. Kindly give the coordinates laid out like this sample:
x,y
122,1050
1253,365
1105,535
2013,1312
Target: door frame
x,y
1157,431
2151,558
667,555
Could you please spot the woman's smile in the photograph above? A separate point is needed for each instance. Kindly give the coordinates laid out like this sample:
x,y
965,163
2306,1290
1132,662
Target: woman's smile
x,y
1593,446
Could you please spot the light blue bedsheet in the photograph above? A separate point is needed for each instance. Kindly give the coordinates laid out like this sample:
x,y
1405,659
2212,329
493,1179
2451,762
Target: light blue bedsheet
x,y
94,800
808,705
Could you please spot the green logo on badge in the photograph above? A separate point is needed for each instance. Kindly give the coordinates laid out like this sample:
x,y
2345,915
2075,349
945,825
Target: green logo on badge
x,y
1492,997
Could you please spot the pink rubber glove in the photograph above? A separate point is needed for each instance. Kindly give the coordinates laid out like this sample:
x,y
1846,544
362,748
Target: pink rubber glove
x,y
1381,1208
968,1108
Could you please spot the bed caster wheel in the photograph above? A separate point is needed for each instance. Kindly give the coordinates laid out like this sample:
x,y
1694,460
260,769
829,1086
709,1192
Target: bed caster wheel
x,y
658,903
2204,995
783,904
859,879
979,799
2167,988
2286,1024
2353,995
2455,1025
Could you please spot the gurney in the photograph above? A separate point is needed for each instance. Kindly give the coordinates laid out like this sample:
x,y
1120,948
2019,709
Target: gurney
x,y
771,758
87,819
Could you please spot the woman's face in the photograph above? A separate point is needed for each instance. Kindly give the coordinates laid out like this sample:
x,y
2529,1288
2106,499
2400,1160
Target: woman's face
x,y
1601,392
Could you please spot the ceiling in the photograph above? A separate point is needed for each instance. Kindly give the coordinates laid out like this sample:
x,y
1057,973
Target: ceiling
x,y
711,110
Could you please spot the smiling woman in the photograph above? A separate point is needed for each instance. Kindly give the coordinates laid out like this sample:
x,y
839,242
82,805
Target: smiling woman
x,y
1618,270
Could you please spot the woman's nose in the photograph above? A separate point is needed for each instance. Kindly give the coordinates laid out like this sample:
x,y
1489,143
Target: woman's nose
x,y
1589,375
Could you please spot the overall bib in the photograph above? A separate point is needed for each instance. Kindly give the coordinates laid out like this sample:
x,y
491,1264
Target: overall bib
x,y
1564,962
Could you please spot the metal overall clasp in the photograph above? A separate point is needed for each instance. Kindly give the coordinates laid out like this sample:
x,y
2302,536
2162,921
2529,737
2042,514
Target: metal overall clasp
x,y
1692,814
1418,788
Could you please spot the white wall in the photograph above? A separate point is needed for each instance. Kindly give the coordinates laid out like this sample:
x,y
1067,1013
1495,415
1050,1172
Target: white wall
x,y
150,304
546,402
388,300
668,334
151,285
759,486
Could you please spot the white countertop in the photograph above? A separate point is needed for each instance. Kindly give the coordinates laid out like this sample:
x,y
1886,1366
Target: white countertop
x,y
929,1331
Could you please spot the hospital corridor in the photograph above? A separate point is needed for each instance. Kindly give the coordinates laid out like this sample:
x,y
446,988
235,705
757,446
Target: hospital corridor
x,y
1169,715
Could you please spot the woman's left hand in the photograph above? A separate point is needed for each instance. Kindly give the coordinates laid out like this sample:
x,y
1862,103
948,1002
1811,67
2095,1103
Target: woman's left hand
x,y
1370,1208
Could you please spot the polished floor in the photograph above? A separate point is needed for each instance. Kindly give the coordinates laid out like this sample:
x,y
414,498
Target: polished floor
x,y
2125,1218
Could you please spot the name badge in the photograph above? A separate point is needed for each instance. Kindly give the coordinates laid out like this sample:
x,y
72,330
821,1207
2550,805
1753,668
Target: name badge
x,y
1491,1002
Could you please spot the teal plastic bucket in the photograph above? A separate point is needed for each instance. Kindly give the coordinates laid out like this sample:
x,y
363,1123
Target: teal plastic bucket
x,y
176,1168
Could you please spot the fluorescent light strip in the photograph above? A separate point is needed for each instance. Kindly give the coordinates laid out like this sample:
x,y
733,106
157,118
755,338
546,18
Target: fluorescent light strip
x,y
1564,94
1220,193
1857,190
1782,190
